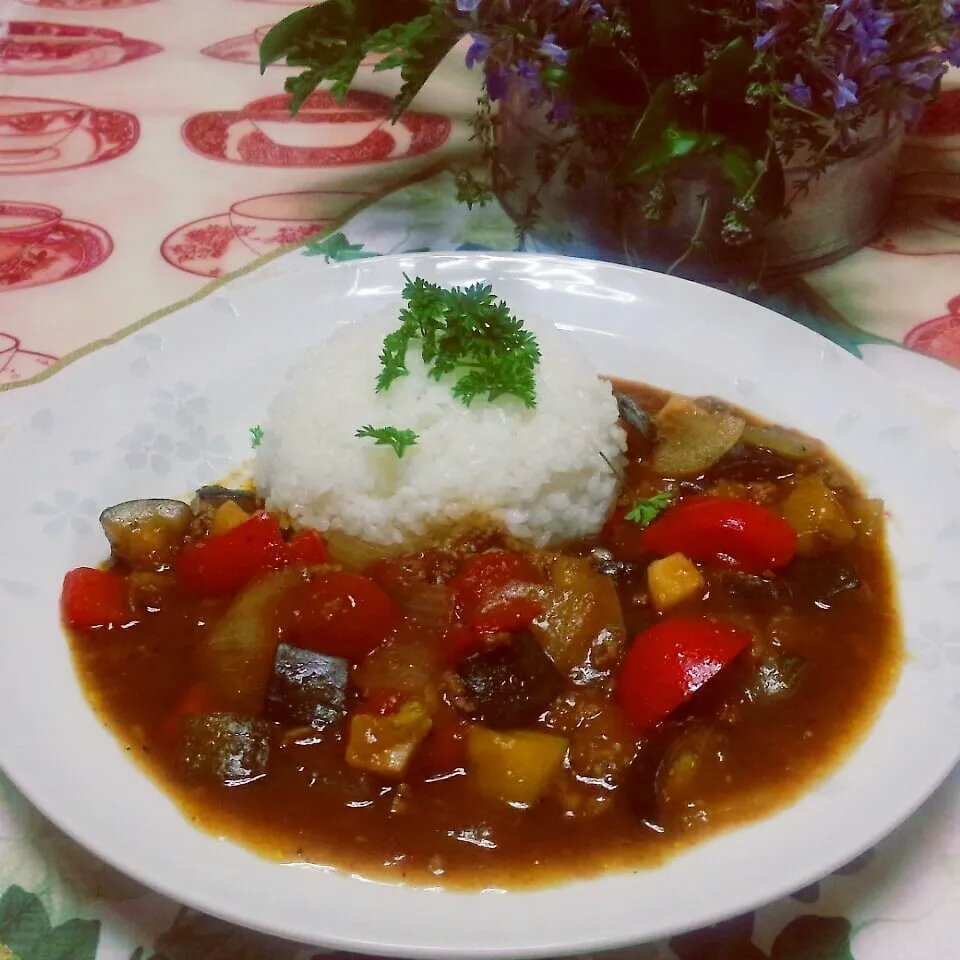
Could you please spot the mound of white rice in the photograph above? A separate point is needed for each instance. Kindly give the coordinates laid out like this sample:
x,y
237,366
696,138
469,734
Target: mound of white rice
x,y
539,474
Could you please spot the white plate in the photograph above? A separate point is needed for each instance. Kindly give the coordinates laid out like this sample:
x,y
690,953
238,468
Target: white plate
x,y
170,407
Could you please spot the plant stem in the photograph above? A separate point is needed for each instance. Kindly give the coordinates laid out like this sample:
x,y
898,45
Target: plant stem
x,y
695,239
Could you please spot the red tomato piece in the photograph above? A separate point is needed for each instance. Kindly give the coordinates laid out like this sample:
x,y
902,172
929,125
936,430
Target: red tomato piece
x,y
227,561
493,593
724,530
306,549
624,537
340,614
380,703
94,599
459,642
670,661
444,752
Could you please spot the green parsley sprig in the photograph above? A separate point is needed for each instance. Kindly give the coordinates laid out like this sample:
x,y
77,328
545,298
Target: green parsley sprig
x,y
256,436
389,437
465,331
644,512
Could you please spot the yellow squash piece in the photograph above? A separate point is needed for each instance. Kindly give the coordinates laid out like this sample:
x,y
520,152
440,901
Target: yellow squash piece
x,y
385,745
817,515
514,766
672,580
229,515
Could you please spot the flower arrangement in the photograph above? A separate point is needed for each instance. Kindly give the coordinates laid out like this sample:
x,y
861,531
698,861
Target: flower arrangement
x,y
643,87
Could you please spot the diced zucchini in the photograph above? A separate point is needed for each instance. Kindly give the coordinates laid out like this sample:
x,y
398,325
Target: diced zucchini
x,y
817,515
516,766
672,580
385,745
306,689
510,685
225,748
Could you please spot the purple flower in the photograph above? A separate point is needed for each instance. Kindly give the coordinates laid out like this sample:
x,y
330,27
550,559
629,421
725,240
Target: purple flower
x,y
952,53
766,39
844,93
550,48
765,6
496,78
798,92
478,50
922,74
950,11
528,71
596,12
467,6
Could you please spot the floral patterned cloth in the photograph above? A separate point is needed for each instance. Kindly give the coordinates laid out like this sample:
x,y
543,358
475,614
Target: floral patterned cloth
x,y
144,159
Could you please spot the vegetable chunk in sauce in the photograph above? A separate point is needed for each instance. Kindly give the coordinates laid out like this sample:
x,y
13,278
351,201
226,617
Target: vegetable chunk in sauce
x,y
480,713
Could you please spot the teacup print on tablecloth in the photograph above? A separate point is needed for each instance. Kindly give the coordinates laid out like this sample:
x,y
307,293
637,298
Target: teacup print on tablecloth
x,y
38,48
217,245
324,133
39,135
38,245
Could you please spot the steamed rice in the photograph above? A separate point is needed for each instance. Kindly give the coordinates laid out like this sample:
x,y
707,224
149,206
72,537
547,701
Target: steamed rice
x,y
539,474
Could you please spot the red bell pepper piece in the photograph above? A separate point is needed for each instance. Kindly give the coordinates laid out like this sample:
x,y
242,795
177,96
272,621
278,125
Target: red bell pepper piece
x,y
197,699
306,549
227,561
492,592
723,530
340,614
670,661
94,599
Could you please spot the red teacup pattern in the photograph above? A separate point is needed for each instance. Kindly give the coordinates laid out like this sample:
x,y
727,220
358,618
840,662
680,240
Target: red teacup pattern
x,y
325,132
39,135
939,337
38,47
85,5
38,245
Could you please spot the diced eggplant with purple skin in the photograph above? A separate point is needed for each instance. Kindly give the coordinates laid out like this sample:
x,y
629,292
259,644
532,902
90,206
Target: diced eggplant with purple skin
x,y
821,580
744,462
210,498
146,533
225,748
306,689
510,685
636,417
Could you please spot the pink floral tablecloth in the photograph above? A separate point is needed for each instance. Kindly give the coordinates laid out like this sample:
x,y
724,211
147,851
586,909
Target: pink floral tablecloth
x,y
144,160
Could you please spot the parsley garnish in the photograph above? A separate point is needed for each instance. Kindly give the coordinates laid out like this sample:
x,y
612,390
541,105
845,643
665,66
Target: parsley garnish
x,y
256,436
467,331
389,437
646,511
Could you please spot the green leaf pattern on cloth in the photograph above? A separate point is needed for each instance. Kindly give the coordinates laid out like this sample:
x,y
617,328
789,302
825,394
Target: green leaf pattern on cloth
x,y
26,932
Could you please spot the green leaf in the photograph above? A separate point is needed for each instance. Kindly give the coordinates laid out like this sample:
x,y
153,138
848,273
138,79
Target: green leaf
x,y
813,938
337,248
25,931
416,71
256,436
23,922
73,940
289,34
739,167
727,77
389,437
644,512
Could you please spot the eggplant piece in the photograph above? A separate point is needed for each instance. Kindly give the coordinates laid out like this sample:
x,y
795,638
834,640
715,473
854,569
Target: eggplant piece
x,y
755,589
306,689
225,748
636,416
777,677
604,562
212,497
511,685
746,463
146,533
820,581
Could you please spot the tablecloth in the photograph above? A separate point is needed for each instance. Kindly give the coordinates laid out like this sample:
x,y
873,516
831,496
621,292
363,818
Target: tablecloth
x,y
144,161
